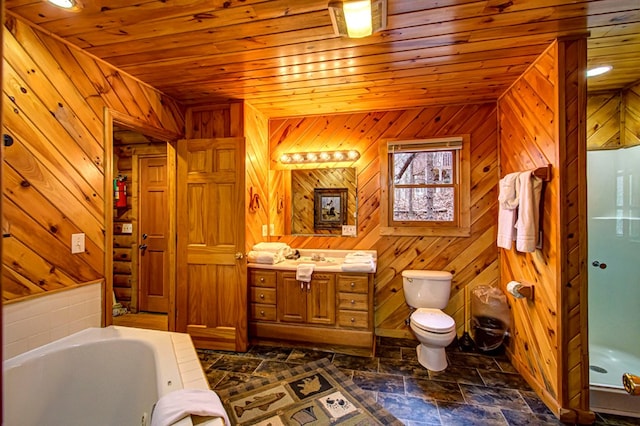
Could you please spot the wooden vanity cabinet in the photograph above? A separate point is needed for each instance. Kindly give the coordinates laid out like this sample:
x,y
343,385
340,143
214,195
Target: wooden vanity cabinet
x,y
310,303
334,309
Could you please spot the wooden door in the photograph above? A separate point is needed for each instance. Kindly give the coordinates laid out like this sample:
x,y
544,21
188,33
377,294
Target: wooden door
x,y
292,299
321,300
153,220
212,286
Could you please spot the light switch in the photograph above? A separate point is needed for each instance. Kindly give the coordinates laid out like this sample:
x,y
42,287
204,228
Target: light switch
x,y
77,243
127,228
265,231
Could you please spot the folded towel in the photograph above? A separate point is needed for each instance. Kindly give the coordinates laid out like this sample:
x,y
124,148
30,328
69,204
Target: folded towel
x,y
264,257
304,271
271,247
507,210
359,255
364,266
179,404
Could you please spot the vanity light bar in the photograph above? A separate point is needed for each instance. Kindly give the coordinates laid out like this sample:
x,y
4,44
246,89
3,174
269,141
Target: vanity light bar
x,y
319,157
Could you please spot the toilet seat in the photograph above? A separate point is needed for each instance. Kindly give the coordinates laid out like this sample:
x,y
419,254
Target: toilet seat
x,y
432,321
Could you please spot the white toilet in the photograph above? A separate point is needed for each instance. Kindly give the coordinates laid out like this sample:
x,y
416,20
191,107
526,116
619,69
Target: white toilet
x,y
428,292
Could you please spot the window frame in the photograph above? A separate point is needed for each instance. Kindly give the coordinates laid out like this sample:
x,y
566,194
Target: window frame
x,y
461,225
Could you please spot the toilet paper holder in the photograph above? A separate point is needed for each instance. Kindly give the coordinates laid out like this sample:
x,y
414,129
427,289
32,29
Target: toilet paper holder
x,y
520,290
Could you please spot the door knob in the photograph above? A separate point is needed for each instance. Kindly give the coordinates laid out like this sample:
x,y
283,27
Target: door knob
x,y
599,265
142,246
239,255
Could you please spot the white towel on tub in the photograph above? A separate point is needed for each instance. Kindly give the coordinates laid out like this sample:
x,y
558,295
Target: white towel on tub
x,y
181,403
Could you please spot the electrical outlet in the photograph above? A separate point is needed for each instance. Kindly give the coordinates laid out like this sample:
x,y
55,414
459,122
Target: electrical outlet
x,y
348,230
265,231
272,229
77,243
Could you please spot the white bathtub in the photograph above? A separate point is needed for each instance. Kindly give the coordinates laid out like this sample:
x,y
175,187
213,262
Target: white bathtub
x,y
98,376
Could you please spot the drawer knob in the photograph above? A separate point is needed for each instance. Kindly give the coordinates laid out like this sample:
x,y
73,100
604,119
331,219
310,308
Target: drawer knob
x,y
261,279
261,296
353,284
353,302
262,313
353,319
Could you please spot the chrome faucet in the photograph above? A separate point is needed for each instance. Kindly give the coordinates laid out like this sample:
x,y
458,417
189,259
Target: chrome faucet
x,y
317,257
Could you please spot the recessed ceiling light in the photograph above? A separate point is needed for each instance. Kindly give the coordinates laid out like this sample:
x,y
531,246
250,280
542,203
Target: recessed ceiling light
x,y
67,4
598,70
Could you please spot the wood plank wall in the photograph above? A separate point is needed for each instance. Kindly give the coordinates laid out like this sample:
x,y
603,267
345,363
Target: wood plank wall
x,y
257,175
613,119
54,97
542,121
473,260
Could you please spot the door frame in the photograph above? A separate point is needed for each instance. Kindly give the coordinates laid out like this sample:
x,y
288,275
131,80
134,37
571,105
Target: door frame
x,y
111,117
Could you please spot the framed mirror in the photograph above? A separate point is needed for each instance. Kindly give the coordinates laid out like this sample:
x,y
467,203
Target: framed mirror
x,y
316,202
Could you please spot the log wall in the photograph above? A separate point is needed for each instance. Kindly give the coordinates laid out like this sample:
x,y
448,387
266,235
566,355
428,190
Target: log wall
x,y
542,121
54,98
473,260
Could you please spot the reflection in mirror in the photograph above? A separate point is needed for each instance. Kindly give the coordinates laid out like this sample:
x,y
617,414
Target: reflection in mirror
x,y
322,200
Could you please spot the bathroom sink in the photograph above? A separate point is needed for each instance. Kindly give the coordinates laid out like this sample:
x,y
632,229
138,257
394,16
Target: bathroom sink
x,y
307,259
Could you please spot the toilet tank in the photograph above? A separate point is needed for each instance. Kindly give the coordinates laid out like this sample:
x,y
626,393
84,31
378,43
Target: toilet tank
x,y
426,289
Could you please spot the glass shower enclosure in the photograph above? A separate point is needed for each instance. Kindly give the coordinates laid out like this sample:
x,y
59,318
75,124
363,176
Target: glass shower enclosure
x,y
613,182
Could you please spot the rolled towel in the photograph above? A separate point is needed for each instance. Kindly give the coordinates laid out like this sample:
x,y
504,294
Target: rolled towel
x,y
181,403
364,266
304,271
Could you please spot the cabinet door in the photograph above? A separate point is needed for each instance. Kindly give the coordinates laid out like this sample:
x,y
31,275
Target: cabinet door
x,y
292,299
321,300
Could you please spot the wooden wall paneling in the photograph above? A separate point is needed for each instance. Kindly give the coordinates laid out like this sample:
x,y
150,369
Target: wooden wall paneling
x,y
474,259
631,127
603,120
542,120
54,100
257,177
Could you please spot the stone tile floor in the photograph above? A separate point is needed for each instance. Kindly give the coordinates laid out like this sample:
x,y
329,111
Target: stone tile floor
x,y
475,389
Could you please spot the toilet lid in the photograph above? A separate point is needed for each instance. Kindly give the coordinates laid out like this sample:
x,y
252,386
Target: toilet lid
x,y
433,320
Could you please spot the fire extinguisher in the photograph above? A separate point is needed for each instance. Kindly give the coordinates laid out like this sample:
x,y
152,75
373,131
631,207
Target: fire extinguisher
x,y
120,191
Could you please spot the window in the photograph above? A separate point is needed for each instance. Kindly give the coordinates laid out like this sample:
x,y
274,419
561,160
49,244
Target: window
x,y
426,187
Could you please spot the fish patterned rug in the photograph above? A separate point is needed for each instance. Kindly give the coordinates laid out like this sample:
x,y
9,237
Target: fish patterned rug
x,y
317,393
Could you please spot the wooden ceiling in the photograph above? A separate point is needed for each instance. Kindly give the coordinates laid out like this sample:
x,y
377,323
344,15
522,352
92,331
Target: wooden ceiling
x,y
282,56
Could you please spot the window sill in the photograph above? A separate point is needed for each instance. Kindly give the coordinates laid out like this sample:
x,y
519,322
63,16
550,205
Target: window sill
x,y
425,231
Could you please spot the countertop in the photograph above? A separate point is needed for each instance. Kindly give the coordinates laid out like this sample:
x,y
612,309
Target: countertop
x,y
333,261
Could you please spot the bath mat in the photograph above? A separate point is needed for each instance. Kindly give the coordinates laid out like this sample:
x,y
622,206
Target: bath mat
x,y
317,393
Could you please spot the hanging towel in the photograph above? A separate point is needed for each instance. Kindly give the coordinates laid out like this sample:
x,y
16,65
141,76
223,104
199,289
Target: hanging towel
x,y
528,212
179,404
304,271
508,200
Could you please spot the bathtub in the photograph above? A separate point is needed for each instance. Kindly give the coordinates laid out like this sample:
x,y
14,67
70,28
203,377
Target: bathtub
x,y
99,376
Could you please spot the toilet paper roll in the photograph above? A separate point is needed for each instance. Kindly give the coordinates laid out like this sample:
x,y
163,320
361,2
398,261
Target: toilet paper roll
x,y
514,289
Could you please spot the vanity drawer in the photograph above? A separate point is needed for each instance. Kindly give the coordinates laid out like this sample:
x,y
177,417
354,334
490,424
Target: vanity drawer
x,y
353,283
262,278
260,312
353,319
263,295
353,301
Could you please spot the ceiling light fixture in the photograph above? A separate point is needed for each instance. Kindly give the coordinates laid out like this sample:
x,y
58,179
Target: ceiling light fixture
x,y
358,18
65,4
319,157
598,70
